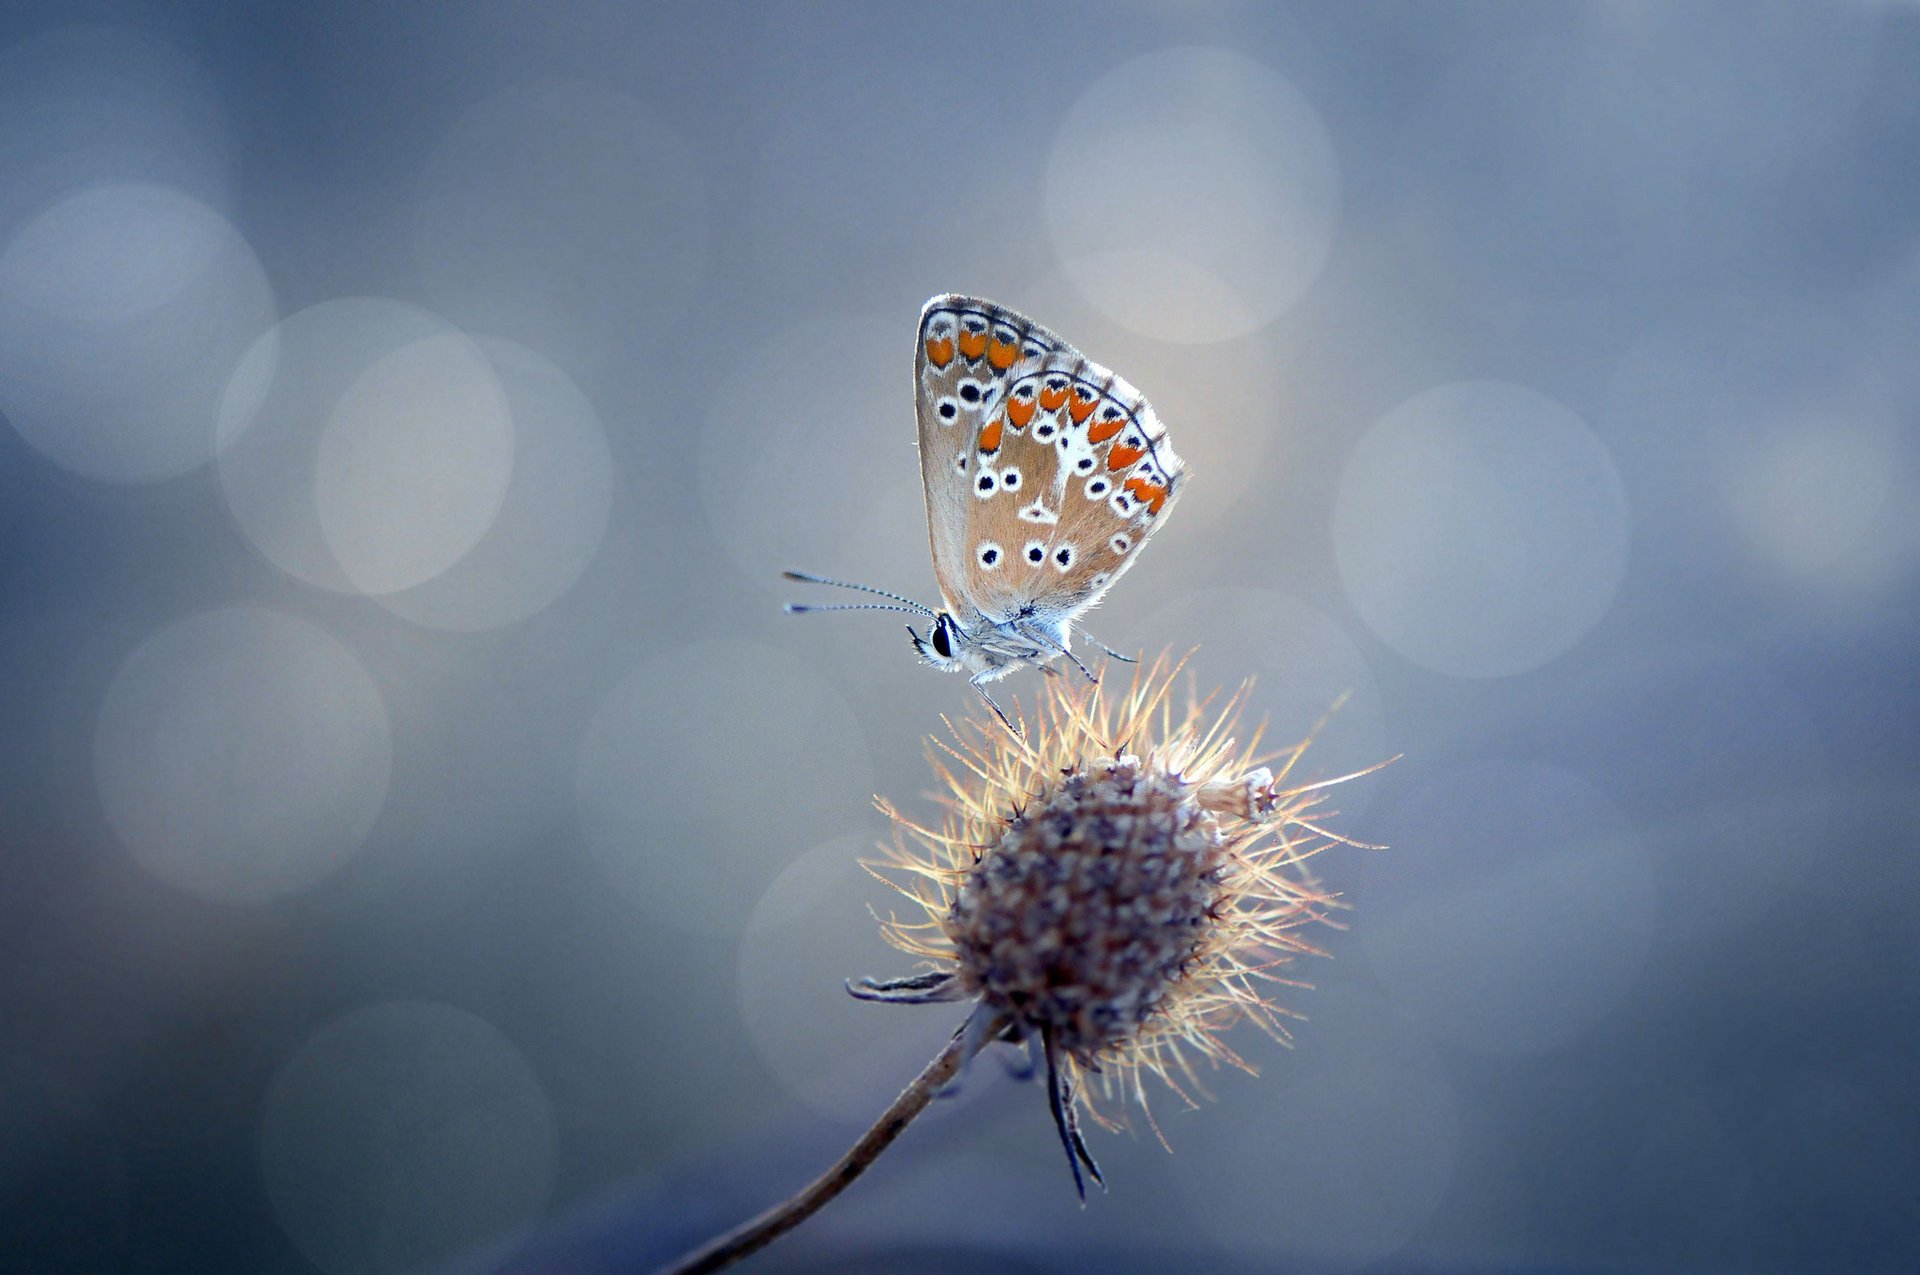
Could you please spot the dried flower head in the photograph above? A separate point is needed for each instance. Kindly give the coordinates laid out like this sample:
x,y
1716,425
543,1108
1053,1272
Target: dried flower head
x,y
1115,889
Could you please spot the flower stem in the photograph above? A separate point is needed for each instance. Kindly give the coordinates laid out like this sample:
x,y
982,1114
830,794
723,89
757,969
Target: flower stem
x,y
750,1237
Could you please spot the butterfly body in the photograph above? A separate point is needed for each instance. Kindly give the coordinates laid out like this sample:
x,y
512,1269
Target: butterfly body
x,y
1044,474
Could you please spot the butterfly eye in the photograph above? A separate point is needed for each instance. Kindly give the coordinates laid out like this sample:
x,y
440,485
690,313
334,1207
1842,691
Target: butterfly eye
x,y
942,640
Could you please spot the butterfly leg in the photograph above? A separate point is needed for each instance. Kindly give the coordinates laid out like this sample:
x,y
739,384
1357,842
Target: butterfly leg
x,y
1124,659
1043,639
997,712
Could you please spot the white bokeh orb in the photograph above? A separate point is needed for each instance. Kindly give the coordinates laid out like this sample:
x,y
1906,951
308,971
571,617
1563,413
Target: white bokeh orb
x,y
1192,194
122,310
1515,910
242,754
564,214
554,514
407,1136
1481,529
413,464
708,768
366,445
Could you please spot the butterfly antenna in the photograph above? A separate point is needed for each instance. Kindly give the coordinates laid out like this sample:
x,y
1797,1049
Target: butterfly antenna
x,y
920,608
800,608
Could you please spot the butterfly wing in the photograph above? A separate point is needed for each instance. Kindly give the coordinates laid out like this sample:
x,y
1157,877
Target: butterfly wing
x,y
969,350
1067,474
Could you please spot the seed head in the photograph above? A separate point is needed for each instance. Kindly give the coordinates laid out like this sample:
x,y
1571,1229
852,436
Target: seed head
x,y
1119,885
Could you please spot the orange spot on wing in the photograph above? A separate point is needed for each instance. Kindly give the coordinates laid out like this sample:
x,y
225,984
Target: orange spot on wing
x,y
1080,408
939,350
1119,456
1050,400
973,344
1148,494
1020,411
990,436
1002,356
1101,431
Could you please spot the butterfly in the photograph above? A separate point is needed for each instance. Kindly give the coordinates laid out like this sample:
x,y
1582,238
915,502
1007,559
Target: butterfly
x,y
1044,474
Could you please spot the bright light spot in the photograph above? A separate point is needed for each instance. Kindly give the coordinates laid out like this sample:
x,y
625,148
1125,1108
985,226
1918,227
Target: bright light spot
x,y
413,464
1516,907
554,515
1192,194
703,770
1481,529
332,428
122,309
242,754
405,1137
566,215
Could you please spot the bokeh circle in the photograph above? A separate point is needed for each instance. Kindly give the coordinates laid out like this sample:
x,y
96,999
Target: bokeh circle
x,y
242,754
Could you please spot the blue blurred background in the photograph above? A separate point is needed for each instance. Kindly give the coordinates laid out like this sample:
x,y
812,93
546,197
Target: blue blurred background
x,y
424,845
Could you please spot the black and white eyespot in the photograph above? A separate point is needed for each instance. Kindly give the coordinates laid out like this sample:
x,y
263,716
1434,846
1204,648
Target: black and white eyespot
x,y
1056,383
960,463
1111,412
1132,441
1122,503
1036,551
1038,512
988,555
1033,350
1120,544
947,410
986,484
940,326
1045,429
1010,479
1025,392
1099,580
1097,487
1084,464
969,391
1005,335
1063,558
